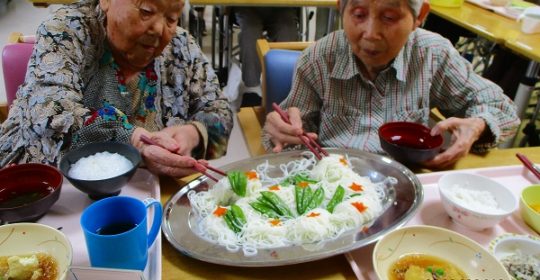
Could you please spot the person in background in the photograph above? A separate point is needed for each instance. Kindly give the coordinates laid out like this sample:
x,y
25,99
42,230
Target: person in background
x,y
281,25
382,67
113,70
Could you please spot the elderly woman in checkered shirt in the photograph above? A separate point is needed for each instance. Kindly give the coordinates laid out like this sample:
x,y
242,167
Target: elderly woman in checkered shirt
x,y
383,67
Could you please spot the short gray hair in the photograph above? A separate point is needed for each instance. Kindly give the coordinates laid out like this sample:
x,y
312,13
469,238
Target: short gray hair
x,y
415,6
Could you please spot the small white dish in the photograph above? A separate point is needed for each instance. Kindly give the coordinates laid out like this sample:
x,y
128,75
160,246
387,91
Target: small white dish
x,y
509,244
523,248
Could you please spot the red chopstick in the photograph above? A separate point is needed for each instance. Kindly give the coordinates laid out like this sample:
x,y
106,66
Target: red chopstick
x,y
528,164
197,167
311,144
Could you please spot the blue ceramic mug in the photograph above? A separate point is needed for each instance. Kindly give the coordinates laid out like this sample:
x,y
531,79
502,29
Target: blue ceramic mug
x,y
116,233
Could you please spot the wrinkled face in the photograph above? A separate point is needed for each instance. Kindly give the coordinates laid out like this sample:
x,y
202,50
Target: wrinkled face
x,y
377,29
139,30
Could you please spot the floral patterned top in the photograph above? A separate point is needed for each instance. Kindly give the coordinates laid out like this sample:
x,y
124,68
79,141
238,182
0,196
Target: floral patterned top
x,y
71,94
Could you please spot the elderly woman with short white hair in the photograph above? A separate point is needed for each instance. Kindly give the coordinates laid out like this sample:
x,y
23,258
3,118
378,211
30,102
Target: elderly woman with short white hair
x,y
113,70
383,67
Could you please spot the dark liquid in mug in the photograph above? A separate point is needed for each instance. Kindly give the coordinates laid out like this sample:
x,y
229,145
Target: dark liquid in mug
x,y
115,228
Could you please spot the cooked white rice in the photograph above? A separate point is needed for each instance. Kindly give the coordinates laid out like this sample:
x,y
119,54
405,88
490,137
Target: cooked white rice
x,y
480,201
100,166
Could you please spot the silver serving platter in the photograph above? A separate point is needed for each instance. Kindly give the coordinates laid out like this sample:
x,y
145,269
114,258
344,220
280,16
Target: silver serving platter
x,y
402,201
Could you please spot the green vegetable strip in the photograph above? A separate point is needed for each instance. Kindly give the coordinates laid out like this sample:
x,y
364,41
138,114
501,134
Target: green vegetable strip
x,y
306,199
278,204
238,181
316,199
299,196
238,214
228,219
336,199
264,209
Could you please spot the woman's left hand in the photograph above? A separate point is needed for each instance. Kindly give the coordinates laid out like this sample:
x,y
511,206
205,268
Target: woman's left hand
x,y
171,155
464,133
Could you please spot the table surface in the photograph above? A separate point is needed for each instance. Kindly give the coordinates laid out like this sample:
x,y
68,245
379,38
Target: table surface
x,y
178,266
268,3
492,26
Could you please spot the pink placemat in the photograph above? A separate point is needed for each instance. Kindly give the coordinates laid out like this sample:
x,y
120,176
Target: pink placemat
x,y
65,215
432,213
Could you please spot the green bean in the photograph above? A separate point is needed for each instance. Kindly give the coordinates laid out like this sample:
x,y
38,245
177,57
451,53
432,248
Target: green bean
x,y
238,214
238,181
278,204
299,197
229,221
336,199
306,199
264,209
316,199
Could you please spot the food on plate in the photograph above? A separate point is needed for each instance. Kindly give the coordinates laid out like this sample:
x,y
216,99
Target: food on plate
x,y
480,201
425,267
308,203
522,266
39,266
100,166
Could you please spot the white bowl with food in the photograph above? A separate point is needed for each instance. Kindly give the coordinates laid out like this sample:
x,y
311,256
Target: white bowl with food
x,y
427,252
520,254
475,201
31,249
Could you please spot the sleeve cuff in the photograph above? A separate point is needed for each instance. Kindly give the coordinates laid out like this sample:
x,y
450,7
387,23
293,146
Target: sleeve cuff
x,y
200,151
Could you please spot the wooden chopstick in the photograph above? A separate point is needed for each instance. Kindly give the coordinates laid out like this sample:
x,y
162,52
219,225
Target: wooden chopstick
x,y
197,167
528,164
311,144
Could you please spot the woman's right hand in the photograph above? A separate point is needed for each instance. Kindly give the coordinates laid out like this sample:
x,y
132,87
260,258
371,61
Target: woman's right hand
x,y
282,133
163,158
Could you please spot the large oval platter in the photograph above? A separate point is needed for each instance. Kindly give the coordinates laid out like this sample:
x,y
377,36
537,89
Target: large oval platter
x,y
402,201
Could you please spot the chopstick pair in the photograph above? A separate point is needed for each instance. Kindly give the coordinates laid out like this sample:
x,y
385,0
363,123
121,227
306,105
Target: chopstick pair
x,y
311,144
197,167
528,164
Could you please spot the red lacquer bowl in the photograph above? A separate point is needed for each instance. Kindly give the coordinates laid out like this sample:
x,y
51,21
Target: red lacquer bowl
x,y
408,142
27,191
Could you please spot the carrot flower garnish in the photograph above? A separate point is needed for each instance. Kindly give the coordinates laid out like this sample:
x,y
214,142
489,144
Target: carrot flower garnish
x,y
313,215
343,161
359,206
220,211
251,175
275,222
303,184
274,188
356,187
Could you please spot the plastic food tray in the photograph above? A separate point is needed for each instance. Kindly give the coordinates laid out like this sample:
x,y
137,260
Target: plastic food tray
x,y
65,215
431,212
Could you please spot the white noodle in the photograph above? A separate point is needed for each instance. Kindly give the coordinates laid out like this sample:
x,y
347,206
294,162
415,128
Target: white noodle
x,y
313,228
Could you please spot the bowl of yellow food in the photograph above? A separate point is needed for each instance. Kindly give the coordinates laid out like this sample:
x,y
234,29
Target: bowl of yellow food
x,y
427,252
33,251
529,205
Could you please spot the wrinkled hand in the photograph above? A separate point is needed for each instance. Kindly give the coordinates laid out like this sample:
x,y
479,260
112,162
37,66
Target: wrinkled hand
x,y
464,133
282,133
171,155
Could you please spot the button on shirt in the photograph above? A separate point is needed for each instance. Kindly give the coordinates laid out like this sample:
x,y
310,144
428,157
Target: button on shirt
x,y
346,109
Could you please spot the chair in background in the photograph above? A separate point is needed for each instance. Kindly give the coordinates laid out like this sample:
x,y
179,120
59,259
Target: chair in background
x,y
15,57
278,61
